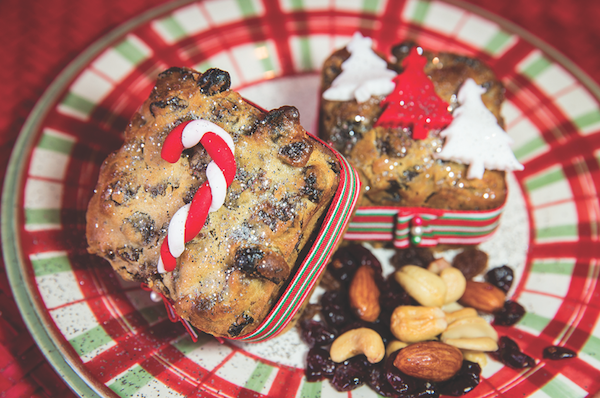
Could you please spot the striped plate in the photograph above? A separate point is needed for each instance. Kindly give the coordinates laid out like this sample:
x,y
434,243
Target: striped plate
x,y
107,338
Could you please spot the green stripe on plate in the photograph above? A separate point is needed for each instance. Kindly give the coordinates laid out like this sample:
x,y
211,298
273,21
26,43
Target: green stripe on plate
x,y
187,345
50,265
559,267
305,55
246,7
497,42
90,340
592,347
311,390
534,321
130,51
536,67
56,144
173,28
259,377
529,147
370,6
131,381
42,216
588,119
297,4
421,10
78,103
558,388
266,62
559,231
545,179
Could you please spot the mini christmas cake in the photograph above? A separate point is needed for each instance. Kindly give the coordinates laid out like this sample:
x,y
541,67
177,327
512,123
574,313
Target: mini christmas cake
x,y
425,133
214,203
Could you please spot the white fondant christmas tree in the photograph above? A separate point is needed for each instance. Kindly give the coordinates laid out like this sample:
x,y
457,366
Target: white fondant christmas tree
x,y
364,74
474,136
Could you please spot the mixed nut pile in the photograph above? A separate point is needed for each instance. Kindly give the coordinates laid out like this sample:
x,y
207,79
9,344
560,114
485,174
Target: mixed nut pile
x,y
416,333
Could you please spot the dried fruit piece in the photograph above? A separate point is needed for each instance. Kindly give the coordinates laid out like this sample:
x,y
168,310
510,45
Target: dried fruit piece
x,y
315,333
483,296
465,380
501,277
429,360
471,262
420,256
318,365
555,352
350,374
509,353
509,314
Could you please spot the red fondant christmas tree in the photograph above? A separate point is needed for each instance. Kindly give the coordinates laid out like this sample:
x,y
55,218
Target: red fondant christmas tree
x,y
414,103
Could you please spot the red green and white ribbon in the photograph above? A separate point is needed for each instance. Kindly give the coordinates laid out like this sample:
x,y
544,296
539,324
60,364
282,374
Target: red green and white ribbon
x,y
421,226
190,218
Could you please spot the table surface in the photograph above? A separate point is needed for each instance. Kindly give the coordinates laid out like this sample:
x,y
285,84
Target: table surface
x,y
40,38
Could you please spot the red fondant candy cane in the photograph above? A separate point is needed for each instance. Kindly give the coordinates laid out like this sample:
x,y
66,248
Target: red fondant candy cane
x,y
189,219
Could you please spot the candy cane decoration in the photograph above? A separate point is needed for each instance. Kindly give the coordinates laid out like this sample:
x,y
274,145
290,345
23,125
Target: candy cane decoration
x,y
189,219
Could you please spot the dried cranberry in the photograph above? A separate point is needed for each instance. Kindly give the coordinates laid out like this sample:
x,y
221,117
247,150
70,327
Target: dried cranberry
x,y
379,383
466,379
419,256
471,262
351,373
511,313
400,382
335,309
555,352
315,333
343,265
319,365
501,277
510,354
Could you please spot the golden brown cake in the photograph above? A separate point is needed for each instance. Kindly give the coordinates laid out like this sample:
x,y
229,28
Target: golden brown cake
x,y
231,273
397,170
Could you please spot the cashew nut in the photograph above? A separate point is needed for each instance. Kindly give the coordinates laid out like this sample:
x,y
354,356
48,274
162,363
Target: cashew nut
x,y
466,312
471,327
424,286
412,323
355,342
455,284
394,346
485,344
475,356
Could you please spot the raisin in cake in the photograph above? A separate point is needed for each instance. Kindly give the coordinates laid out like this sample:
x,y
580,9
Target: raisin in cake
x,y
397,170
231,273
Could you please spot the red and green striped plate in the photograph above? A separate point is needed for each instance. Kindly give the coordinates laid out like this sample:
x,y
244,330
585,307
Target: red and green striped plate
x,y
107,338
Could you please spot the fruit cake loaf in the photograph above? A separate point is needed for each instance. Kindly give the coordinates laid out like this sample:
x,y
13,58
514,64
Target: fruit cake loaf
x,y
228,275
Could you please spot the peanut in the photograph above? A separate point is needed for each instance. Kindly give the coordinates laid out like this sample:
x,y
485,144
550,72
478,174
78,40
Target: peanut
x,y
455,284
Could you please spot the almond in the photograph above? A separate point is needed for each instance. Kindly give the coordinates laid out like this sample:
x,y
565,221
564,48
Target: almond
x,y
483,296
364,294
429,360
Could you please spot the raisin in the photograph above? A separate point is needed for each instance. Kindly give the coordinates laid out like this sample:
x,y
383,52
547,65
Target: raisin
x,y
379,383
315,333
555,352
465,380
319,365
511,313
501,277
343,265
400,382
214,81
470,262
510,354
297,153
240,323
419,256
351,374
335,310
